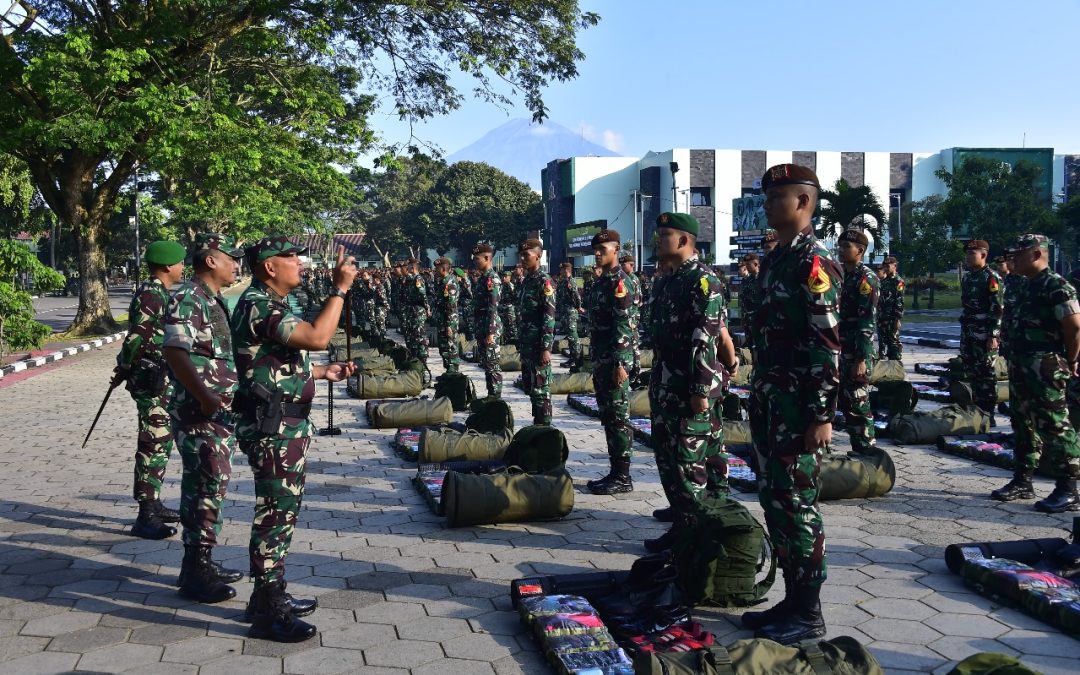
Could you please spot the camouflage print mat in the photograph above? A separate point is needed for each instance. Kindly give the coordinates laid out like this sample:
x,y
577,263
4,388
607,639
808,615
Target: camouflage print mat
x,y
406,443
930,392
996,449
1040,593
933,369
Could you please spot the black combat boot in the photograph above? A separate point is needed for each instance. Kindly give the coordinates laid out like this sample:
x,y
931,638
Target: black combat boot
x,y
224,574
273,619
664,515
149,524
200,583
616,482
802,621
298,606
1063,498
1019,487
164,513
756,620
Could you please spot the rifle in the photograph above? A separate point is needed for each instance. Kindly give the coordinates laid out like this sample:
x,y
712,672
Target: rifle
x,y
113,384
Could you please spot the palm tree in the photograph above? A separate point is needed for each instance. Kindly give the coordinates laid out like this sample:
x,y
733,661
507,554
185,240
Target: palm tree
x,y
851,207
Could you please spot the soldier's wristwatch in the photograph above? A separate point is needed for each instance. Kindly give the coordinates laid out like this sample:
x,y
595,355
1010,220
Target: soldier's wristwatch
x,y
336,292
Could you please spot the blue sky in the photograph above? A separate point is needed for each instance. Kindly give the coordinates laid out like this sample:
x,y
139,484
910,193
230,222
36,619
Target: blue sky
x,y
827,75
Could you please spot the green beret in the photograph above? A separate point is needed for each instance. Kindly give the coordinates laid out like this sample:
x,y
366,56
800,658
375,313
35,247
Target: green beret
x,y
165,253
482,247
684,222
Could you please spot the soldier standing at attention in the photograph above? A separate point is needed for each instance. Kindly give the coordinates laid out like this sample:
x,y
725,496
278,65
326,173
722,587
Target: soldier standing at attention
x,y
612,344
568,303
799,377
486,321
198,348
587,281
277,385
1014,286
980,324
417,311
447,294
536,311
465,302
692,351
645,281
140,362
858,305
1045,346
890,311
508,309
626,261
749,297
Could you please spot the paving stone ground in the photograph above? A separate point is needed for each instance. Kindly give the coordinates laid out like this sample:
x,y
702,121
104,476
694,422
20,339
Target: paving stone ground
x,y
401,593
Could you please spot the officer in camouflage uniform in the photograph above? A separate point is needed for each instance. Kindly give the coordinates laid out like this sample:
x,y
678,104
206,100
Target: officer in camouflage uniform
x,y
568,305
536,311
858,305
508,309
447,296
486,321
645,282
380,291
612,344
749,296
465,302
980,324
693,356
141,364
198,348
1014,286
799,378
626,261
588,278
890,312
273,402
1043,351
416,312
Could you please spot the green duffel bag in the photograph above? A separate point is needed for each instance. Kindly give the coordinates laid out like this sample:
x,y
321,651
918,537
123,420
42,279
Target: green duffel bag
x,y
375,364
742,377
964,394
920,428
571,383
506,497
737,432
646,359
856,476
719,557
639,403
415,413
408,383
958,372
537,448
888,371
896,398
509,359
445,445
991,663
840,656
746,357
490,416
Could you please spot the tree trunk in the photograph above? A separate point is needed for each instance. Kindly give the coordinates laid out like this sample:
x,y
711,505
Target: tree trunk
x,y
930,302
915,295
95,313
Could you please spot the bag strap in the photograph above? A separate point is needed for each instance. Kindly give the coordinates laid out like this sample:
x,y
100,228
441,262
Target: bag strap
x,y
763,586
816,658
719,658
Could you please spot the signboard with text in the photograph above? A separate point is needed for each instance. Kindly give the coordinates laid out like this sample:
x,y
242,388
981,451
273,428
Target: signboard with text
x,y
748,213
579,237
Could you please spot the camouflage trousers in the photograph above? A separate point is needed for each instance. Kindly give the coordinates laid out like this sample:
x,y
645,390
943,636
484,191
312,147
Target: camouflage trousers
x,y
380,322
789,485
448,348
978,362
535,380
1040,414
278,465
508,315
854,402
569,323
155,444
207,451
689,458
416,339
889,347
614,402
489,357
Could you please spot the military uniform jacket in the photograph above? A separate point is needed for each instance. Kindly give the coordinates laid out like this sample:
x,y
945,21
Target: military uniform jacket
x,y
612,334
799,324
891,300
749,300
415,292
536,312
1014,287
486,294
687,317
634,288
858,309
198,322
261,327
567,295
506,295
1045,300
146,326
980,295
447,293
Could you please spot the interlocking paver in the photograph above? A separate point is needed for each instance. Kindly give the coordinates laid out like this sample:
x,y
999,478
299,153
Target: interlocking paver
x,y
121,657
88,639
358,636
58,624
407,655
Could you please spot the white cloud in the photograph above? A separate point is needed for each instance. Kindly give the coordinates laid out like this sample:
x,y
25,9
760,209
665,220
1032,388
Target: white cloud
x,y
612,140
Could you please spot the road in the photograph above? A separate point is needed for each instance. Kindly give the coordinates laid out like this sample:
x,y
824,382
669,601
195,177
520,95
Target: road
x,y
58,313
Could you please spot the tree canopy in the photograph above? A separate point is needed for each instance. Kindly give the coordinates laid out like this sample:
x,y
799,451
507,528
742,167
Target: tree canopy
x,y
848,206
926,246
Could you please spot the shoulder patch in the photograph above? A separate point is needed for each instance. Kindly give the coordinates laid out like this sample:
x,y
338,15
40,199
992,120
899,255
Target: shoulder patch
x,y
704,284
548,290
490,283
818,282
620,290
900,285
994,285
865,288
419,282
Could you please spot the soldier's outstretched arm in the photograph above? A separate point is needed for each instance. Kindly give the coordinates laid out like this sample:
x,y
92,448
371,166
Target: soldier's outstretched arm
x,y
317,335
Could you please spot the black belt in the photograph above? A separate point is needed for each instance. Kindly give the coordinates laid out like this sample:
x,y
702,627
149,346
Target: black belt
x,y
249,405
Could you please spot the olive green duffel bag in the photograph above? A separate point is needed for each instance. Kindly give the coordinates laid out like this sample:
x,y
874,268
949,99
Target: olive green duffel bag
x,y
646,361
737,432
447,445
840,656
571,383
509,359
407,383
506,497
888,371
375,364
639,403
857,476
950,420
963,393
414,413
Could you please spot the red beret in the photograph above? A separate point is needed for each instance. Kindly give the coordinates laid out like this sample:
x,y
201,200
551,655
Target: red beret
x,y
789,174
605,236
976,245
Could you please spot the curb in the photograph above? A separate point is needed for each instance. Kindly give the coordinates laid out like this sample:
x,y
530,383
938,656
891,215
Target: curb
x,y
39,361
930,342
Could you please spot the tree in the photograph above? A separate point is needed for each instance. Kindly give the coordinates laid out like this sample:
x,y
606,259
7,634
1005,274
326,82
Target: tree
x,y
926,246
393,201
21,207
992,200
19,268
850,207
1068,216
245,108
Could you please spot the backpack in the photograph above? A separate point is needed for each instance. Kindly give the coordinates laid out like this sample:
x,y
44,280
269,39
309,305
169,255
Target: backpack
x,y
490,416
458,387
950,420
894,398
537,448
840,656
719,556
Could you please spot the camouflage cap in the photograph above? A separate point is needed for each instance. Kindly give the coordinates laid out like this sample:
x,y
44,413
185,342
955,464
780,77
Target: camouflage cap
x,y
268,247
626,258
855,236
1030,240
164,253
530,243
213,241
789,174
605,237
976,245
482,247
684,222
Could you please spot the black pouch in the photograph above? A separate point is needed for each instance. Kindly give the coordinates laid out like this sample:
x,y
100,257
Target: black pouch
x,y
268,411
148,378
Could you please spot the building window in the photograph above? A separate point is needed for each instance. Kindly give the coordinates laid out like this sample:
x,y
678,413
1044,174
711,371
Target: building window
x,y
700,196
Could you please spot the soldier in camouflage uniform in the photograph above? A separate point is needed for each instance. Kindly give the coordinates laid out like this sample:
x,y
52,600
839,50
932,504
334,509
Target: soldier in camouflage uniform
x,y
380,291
1045,345
416,312
588,278
693,357
198,348
749,296
980,324
447,297
1014,286
465,302
486,321
799,377
141,364
858,305
508,309
273,402
612,344
568,306
626,261
645,282
890,312
536,311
